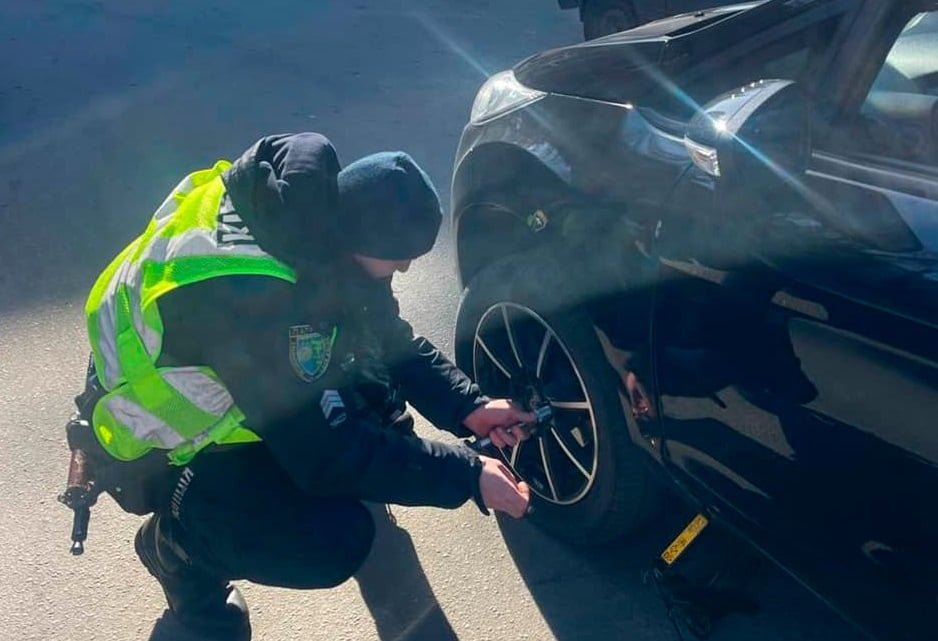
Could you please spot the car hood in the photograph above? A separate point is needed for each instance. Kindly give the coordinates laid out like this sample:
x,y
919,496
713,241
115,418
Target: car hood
x,y
675,25
597,69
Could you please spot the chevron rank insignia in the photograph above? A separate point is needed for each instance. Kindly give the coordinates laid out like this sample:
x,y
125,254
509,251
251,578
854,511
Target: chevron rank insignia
x,y
333,409
310,351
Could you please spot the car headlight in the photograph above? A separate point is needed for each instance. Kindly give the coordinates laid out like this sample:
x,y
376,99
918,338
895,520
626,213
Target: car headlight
x,y
500,94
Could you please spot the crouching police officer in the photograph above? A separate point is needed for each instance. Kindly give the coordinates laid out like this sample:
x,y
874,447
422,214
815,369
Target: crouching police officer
x,y
251,371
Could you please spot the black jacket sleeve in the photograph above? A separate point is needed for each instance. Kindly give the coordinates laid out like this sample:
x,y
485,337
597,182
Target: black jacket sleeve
x,y
304,423
369,462
438,389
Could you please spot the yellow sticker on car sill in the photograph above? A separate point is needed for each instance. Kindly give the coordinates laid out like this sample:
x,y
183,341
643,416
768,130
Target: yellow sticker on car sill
x,y
684,539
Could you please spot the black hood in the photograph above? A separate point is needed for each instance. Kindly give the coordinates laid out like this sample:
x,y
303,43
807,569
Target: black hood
x,y
284,189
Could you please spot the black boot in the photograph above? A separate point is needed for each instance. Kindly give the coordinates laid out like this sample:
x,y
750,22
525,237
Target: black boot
x,y
202,607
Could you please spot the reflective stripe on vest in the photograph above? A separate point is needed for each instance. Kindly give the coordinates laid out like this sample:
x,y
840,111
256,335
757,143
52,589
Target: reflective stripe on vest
x,y
193,236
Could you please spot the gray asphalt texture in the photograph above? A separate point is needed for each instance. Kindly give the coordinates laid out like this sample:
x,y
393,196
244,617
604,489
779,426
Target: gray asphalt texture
x,y
103,108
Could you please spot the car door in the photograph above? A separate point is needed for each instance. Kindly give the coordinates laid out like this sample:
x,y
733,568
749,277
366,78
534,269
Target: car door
x,y
797,353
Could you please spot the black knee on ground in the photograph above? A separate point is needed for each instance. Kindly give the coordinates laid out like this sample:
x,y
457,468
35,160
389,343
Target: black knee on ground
x,y
327,543
357,537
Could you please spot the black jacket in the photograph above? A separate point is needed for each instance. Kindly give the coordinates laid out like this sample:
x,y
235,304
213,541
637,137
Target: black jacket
x,y
344,431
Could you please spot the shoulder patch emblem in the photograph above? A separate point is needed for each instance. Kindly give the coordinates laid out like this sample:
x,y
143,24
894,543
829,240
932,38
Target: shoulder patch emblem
x,y
310,351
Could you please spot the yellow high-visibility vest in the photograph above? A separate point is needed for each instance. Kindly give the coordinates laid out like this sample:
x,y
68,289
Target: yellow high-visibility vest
x,y
194,235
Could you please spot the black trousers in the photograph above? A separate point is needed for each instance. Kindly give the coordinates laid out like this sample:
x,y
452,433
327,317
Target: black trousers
x,y
241,517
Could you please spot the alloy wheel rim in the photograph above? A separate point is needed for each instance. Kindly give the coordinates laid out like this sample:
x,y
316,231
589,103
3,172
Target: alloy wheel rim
x,y
515,349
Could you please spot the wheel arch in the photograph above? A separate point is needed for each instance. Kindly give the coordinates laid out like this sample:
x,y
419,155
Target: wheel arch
x,y
497,188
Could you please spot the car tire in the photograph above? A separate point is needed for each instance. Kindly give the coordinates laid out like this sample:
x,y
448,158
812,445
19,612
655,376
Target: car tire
x,y
604,17
528,289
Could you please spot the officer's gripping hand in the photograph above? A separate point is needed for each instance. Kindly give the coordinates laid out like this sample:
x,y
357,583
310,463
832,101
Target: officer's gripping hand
x,y
499,419
501,491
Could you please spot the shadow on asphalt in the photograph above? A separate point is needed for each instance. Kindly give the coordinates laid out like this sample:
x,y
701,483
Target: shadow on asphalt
x,y
395,588
599,593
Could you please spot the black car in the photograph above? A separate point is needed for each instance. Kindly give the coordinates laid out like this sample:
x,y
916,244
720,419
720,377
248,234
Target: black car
x,y
713,248
605,17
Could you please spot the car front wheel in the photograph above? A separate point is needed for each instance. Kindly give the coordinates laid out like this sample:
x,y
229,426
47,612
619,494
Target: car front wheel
x,y
521,337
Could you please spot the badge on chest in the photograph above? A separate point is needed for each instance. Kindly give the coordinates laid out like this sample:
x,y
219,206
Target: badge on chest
x,y
311,350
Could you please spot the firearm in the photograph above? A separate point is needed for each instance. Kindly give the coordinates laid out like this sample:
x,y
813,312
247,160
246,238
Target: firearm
x,y
81,491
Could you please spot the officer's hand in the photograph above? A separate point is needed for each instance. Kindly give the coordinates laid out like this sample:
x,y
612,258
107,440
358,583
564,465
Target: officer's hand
x,y
499,419
500,491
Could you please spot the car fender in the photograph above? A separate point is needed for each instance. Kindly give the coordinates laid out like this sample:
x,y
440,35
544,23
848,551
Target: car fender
x,y
564,157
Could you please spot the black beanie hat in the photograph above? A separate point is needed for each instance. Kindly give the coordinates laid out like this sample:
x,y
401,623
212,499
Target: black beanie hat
x,y
389,208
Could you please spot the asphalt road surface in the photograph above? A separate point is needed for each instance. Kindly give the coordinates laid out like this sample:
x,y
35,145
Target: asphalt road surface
x,y
104,106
